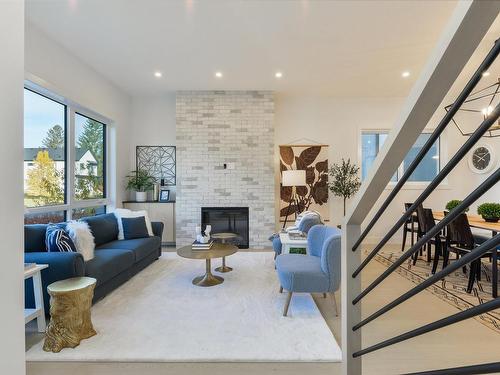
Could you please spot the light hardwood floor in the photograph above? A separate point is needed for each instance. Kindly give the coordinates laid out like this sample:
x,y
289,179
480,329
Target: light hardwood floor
x,y
462,344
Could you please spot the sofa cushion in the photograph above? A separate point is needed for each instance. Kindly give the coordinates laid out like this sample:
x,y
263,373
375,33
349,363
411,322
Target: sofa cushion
x,y
108,263
141,247
134,227
103,227
301,273
57,239
34,238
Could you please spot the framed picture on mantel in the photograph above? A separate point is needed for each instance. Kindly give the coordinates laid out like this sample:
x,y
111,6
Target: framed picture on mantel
x,y
164,195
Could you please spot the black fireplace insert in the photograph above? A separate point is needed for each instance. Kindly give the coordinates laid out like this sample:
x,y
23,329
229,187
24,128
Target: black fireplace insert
x,y
232,220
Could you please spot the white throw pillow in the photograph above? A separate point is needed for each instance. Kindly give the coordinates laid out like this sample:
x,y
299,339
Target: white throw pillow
x,y
80,233
125,212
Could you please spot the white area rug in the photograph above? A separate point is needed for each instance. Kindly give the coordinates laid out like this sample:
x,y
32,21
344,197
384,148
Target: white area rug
x,y
159,316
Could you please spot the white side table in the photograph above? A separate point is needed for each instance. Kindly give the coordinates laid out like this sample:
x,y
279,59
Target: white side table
x,y
38,312
287,243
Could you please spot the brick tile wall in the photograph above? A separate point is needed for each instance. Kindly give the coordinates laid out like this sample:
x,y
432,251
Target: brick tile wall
x,y
217,127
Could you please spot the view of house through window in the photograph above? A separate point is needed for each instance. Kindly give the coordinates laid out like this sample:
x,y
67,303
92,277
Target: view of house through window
x,y
44,151
371,144
89,155
47,176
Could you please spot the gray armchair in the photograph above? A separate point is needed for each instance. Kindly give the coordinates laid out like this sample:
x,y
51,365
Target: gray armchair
x,y
316,272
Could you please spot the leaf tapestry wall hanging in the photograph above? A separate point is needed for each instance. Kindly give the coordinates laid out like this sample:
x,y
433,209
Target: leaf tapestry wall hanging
x,y
314,160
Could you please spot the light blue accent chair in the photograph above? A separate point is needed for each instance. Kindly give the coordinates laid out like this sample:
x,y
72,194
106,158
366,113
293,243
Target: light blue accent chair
x,y
316,272
307,223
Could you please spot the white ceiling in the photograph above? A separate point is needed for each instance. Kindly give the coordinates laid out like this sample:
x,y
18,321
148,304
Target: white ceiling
x,y
341,48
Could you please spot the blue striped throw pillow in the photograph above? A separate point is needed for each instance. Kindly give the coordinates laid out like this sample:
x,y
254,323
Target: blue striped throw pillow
x,y
57,239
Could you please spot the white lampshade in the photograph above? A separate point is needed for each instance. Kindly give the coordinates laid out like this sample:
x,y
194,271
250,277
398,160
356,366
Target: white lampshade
x,y
294,178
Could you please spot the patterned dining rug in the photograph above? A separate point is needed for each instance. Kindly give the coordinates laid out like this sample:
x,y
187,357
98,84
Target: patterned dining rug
x,y
453,288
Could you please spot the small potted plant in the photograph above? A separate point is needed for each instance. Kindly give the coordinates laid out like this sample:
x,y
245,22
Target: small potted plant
x,y
490,212
141,182
454,203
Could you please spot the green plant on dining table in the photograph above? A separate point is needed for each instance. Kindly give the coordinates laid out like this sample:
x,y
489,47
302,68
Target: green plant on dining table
x,y
489,211
454,203
140,181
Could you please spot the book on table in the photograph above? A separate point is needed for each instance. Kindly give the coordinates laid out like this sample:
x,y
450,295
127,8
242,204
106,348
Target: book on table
x,y
202,246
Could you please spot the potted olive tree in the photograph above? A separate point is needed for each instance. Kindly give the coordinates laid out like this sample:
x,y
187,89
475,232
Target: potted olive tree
x,y
344,180
489,211
141,182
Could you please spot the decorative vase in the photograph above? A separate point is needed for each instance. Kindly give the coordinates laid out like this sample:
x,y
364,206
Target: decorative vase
x,y
156,192
491,219
141,196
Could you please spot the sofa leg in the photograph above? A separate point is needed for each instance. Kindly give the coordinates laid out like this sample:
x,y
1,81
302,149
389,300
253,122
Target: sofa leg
x,y
281,289
324,295
335,304
287,303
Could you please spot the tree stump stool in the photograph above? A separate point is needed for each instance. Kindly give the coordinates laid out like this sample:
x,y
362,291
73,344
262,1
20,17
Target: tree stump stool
x,y
70,302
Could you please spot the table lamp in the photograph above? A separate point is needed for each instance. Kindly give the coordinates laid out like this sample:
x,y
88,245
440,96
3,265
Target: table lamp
x,y
293,178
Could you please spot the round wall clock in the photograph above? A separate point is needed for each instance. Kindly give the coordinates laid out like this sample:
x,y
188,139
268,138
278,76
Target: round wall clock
x,y
482,159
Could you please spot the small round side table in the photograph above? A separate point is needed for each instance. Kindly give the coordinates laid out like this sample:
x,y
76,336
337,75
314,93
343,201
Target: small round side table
x,y
70,322
223,237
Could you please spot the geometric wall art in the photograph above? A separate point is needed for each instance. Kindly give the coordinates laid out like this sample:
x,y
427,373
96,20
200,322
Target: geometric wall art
x,y
314,196
158,161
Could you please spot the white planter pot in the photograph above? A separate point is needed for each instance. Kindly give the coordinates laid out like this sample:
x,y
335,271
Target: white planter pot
x,y
141,196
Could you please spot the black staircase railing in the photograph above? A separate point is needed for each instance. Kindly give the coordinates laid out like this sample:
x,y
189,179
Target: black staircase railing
x,y
474,254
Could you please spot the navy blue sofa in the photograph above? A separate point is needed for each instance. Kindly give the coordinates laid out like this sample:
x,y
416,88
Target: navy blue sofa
x,y
115,261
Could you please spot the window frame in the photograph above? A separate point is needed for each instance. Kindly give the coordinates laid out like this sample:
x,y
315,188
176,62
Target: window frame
x,y
409,185
71,109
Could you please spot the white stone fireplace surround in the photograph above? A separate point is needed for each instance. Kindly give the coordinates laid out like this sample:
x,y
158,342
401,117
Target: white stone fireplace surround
x,y
225,146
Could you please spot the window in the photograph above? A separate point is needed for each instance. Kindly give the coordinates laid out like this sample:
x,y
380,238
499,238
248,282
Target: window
x,y
78,213
89,152
61,183
371,146
371,143
44,151
429,166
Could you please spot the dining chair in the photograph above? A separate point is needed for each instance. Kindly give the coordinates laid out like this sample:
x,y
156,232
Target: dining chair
x,y
425,224
410,226
460,240
316,272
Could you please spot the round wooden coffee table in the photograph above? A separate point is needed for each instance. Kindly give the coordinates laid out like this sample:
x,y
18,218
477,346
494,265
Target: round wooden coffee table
x,y
218,250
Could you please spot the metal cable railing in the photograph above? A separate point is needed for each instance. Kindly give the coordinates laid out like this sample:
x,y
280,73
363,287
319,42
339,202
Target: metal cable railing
x,y
445,171
467,90
473,254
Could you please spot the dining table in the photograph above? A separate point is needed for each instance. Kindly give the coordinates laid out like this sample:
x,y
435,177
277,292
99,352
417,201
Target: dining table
x,y
476,221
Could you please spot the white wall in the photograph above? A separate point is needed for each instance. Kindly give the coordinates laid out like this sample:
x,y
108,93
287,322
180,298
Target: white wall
x,y
53,67
11,191
338,122
153,119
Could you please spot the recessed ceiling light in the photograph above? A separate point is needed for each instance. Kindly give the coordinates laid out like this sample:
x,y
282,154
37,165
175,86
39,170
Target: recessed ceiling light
x,y
405,74
278,74
158,74
486,74
218,74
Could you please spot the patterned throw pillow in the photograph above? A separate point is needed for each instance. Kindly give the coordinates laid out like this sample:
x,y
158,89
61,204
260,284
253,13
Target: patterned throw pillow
x,y
57,239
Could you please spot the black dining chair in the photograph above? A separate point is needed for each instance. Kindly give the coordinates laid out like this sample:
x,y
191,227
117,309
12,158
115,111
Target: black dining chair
x,y
460,240
410,226
425,224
